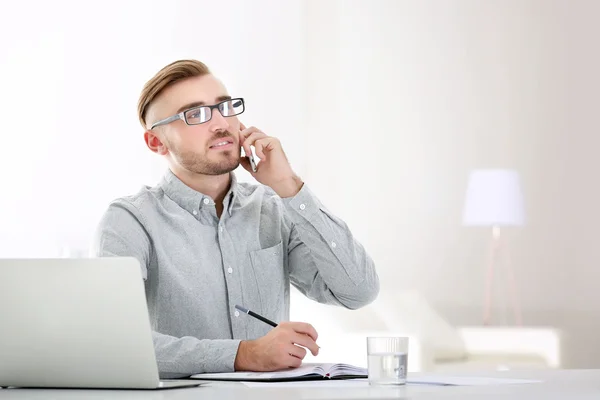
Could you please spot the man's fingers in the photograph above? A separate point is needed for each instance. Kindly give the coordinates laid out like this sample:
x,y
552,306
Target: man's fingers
x,y
244,134
253,140
297,351
303,327
253,137
306,341
260,145
263,144
292,361
245,146
247,131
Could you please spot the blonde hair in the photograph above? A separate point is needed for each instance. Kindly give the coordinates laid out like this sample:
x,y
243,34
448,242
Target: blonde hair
x,y
167,76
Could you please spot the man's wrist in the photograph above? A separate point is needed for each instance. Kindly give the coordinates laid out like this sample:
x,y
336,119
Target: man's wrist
x,y
288,187
243,358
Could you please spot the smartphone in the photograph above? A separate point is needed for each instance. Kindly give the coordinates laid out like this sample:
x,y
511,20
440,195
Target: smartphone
x,y
252,162
251,157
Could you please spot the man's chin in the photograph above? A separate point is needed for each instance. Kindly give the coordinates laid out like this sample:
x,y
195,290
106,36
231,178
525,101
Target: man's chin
x,y
223,167
234,165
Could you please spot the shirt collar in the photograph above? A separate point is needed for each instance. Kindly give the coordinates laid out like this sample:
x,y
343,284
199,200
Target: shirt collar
x,y
192,200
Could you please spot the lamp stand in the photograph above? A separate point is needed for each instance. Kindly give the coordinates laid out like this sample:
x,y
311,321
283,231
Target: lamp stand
x,y
496,246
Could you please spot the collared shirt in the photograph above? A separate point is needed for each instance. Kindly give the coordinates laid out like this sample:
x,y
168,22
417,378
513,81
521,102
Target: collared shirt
x,y
197,266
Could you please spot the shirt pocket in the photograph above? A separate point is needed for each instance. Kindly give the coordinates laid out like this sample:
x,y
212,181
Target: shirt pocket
x,y
269,271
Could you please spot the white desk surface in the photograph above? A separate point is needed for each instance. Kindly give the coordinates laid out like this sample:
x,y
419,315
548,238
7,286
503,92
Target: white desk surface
x,y
558,384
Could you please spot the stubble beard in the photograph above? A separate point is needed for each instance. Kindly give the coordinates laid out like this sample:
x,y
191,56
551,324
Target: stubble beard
x,y
229,160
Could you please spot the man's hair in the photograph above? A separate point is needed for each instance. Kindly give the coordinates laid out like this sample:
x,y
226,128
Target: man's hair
x,y
169,75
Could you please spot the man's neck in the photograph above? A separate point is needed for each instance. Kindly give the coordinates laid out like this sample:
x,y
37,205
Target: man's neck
x,y
215,186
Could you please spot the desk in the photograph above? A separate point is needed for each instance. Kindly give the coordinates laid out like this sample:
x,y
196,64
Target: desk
x,y
558,384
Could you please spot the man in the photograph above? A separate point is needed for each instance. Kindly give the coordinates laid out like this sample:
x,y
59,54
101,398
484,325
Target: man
x,y
207,243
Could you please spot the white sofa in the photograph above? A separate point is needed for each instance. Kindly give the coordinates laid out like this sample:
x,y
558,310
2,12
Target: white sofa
x,y
434,345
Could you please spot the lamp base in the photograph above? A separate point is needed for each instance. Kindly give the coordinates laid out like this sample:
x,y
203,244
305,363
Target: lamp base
x,y
496,246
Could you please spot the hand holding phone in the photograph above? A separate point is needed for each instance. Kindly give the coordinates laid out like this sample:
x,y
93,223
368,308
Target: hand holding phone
x,y
275,170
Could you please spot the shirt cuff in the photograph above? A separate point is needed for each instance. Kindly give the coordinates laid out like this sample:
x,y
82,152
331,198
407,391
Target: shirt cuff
x,y
303,205
225,354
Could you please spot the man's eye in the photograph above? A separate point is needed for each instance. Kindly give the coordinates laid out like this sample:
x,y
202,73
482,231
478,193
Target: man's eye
x,y
195,114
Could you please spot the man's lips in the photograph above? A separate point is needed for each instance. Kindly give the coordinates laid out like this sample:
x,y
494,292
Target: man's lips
x,y
222,144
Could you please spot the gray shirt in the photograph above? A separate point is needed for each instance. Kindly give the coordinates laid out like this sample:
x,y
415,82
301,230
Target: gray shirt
x,y
197,267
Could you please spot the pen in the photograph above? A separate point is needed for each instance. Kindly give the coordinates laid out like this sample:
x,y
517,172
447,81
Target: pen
x,y
258,316
255,315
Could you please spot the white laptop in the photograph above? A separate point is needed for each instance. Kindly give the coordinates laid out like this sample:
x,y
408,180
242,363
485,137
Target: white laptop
x,y
76,323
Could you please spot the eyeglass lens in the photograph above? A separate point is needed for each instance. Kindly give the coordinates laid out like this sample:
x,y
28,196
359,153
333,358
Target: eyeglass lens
x,y
227,108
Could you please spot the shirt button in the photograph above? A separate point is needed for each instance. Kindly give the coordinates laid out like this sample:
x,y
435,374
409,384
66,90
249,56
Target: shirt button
x,y
220,229
206,201
230,270
302,206
236,313
333,244
195,212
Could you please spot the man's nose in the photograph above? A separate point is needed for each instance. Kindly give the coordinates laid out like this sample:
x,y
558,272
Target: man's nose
x,y
218,122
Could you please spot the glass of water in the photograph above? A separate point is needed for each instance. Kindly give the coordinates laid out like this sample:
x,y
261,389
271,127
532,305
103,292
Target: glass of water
x,y
388,358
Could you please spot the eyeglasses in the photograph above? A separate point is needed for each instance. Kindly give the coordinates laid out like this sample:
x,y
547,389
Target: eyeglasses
x,y
201,114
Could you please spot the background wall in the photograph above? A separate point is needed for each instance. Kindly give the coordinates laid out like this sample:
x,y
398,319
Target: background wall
x,y
389,104
424,91
70,83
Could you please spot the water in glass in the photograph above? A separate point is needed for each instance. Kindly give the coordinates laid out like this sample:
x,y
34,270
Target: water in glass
x,y
387,368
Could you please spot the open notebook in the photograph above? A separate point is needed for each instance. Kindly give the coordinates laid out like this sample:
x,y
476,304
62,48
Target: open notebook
x,y
303,373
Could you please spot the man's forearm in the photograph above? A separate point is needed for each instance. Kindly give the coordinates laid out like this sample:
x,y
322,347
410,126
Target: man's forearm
x,y
288,187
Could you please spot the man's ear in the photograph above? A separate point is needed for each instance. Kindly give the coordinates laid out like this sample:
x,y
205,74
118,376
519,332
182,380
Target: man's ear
x,y
154,143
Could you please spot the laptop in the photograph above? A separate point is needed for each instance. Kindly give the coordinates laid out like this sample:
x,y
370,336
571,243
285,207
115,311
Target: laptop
x,y
76,323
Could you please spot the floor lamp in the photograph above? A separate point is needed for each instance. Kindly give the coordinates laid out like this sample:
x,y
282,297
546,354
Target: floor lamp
x,y
494,199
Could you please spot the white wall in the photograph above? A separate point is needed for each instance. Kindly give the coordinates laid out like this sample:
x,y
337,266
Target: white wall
x,y
71,73
392,103
420,93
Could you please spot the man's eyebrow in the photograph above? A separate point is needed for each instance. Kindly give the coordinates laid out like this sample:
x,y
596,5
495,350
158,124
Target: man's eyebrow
x,y
201,103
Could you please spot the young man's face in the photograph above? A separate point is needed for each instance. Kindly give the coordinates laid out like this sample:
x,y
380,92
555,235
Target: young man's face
x,y
210,148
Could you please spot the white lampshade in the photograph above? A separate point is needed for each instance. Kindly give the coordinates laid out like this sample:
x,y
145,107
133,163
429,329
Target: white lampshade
x,y
494,198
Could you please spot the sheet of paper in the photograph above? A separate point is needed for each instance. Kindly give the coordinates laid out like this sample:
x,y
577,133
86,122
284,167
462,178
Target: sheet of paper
x,y
466,380
422,380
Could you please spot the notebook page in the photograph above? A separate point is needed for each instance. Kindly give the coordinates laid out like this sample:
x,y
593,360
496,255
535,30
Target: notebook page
x,y
346,369
239,376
